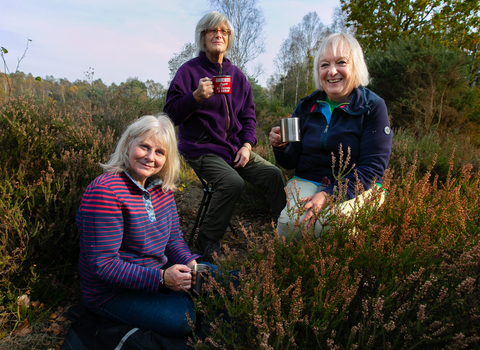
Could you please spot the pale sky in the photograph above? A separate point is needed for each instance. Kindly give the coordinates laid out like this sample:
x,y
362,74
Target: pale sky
x,y
124,38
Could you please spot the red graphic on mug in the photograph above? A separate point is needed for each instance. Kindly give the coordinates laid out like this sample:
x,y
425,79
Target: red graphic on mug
x,y
222,84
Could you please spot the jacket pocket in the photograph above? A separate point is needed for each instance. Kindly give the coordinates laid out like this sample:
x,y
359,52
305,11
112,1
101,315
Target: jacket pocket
x,y
204,138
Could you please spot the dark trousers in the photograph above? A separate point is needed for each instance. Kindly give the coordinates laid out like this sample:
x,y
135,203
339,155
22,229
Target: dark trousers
x,y
229,183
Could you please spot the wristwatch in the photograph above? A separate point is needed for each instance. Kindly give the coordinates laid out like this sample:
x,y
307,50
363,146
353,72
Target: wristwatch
x,y
162,280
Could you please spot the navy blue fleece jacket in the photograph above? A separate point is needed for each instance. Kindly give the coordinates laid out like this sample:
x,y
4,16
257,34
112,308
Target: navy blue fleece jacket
x,y
361,125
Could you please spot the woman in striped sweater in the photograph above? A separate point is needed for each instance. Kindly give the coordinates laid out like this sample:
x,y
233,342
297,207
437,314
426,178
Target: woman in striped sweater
x,y
135,266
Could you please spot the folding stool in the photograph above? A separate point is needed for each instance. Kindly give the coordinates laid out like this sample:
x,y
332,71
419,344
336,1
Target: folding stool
x,y
208,191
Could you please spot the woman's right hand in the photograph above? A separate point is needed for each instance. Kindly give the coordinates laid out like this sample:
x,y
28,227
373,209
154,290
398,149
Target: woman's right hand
x,y
275,139
178,277
204,90
314,204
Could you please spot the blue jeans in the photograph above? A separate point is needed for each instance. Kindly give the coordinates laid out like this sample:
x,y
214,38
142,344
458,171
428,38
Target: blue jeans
x,y
162,312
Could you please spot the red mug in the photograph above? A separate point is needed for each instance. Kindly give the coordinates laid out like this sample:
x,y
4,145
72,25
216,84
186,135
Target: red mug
x,y
222,84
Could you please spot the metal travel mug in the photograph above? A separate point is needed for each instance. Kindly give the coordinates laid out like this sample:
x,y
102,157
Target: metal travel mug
x,y
290,129
201,269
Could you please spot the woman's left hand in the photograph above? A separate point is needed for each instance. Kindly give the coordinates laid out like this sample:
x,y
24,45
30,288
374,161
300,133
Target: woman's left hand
x,y
314,204
242,157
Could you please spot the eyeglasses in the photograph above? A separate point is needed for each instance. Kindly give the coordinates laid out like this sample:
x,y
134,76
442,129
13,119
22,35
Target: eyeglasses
x,y
224,32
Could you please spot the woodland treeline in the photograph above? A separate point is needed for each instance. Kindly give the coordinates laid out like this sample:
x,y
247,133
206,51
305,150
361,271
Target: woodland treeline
x,y
423,58
62,90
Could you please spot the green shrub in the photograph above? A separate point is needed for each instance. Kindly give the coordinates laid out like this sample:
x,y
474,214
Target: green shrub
x,y
259,96
422,82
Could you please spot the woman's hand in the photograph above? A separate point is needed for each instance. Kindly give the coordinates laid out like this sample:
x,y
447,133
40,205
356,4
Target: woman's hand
x,y
275,139
204,90
242,157
314,204
178,277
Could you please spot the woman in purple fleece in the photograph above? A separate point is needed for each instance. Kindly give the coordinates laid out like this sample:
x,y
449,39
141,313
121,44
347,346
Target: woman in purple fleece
x,y
217,131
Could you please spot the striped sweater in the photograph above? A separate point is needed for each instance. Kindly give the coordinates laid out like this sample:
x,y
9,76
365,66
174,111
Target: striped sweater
x,y
127,234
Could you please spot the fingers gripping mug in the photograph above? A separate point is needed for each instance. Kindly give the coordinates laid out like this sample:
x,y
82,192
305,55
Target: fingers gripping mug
x,y
222,84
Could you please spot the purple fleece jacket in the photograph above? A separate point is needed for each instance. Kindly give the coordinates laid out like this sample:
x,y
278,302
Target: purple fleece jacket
x,y
220,124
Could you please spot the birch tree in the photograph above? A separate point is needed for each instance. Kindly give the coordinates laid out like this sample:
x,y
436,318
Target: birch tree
x,y
294,61
339,22
248,22
188,51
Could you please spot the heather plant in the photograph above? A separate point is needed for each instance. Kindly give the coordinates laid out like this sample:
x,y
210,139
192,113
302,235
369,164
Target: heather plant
x,y
404,275
50,153
433,145
407,269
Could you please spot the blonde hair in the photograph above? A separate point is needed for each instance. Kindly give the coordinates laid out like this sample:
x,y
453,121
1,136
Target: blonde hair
x,y
159,128
211,20
343,42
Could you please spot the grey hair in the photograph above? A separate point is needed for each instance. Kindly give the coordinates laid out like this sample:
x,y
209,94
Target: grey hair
x,y
346,43
159,128
211,20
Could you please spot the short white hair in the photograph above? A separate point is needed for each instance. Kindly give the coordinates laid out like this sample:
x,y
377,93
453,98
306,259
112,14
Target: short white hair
x,y
212,20
346,43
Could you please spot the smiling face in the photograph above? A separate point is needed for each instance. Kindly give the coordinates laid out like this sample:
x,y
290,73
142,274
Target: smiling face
x,y
216,43
146,158
336,76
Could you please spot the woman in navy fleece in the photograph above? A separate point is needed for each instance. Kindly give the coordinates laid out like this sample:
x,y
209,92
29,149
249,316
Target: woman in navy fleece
x,y
134,263
217,132
342,112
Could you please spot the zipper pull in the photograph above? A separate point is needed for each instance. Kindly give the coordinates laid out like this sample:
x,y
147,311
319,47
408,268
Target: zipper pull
x,y
326,130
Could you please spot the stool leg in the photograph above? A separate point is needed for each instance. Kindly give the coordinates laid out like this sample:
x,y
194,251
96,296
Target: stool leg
x,y
208,190
199,214
206,205
234,233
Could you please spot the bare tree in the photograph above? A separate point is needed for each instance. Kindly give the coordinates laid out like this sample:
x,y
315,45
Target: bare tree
x,y
248,21
339,22
294,62
282,63
189,51
310,33
304,39
154,90
256,70
297,57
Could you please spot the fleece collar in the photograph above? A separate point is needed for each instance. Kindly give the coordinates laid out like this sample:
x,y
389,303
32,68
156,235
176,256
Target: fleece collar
x,y
214,67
